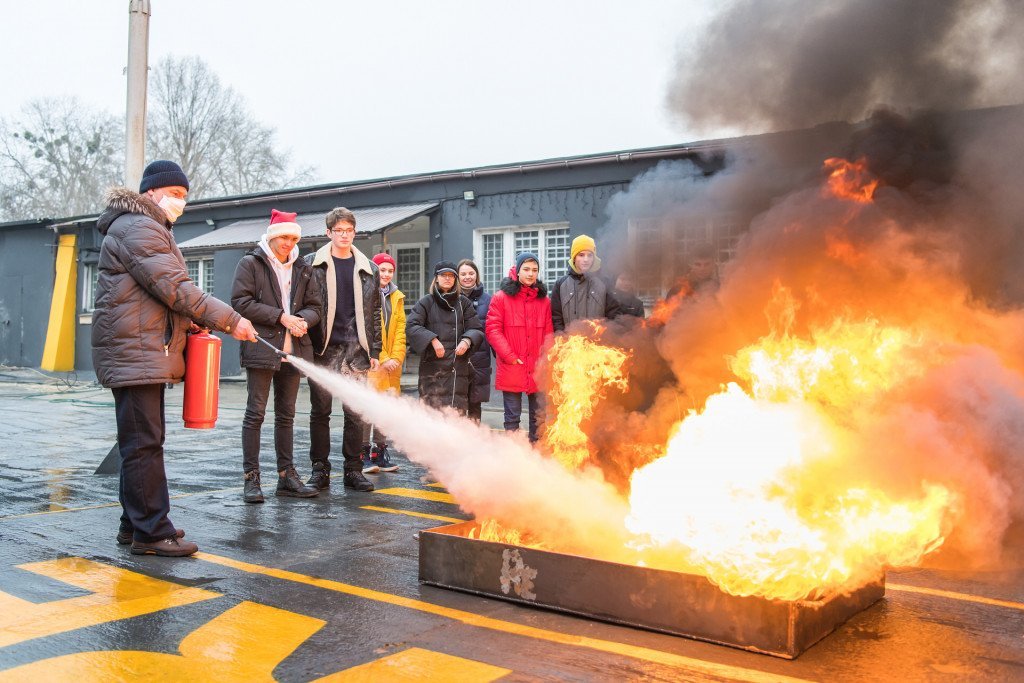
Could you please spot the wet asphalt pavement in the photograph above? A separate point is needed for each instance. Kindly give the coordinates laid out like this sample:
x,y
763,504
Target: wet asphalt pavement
x,y
298,590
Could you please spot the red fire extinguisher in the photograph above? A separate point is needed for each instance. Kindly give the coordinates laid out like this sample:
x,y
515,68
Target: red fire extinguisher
x,y
202,381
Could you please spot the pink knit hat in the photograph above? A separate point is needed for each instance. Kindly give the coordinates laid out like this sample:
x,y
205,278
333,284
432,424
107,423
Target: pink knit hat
x,y
283,223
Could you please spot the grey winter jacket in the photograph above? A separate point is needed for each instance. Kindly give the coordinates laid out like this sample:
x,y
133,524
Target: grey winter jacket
x,y
368,318
144,297
581,297
255,293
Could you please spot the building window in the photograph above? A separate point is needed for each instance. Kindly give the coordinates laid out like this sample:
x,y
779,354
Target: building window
x,y
492,260
90,276
200,271
556,254
667,246
495,250
409,272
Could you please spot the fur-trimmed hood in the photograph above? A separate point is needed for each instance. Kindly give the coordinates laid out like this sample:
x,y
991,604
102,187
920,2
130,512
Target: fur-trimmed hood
x,y
121,200
511,287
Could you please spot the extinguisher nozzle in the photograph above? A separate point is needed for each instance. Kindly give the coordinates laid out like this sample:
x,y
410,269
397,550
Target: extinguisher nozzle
x,y
271,346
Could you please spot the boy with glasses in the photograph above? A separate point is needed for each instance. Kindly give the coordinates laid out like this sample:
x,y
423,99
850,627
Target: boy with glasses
x,y
347,340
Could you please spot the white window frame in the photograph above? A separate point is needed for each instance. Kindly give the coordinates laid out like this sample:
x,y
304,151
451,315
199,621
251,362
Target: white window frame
x,y
393,248
90,275
722,230
201,259
508,244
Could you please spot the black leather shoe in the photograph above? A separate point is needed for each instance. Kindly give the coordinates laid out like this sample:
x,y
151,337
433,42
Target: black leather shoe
x,y
253,493
319,479
125,537
356,480
169,547
291,485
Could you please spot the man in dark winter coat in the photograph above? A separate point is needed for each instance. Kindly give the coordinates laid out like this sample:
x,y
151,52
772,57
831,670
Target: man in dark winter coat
x,y
582,294
625,294
480,358
443,329
348,339
274,288
144,304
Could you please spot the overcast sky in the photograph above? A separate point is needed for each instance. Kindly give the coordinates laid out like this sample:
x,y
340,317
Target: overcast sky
x,y
371,89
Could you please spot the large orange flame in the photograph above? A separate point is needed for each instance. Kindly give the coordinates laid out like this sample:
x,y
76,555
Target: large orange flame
x,y
850,179
581,371
740,491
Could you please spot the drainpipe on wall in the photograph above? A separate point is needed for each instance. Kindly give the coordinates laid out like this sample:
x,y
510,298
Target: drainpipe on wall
x,y
138,74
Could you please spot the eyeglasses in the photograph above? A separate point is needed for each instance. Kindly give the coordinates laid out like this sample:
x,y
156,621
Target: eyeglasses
x,y
342,231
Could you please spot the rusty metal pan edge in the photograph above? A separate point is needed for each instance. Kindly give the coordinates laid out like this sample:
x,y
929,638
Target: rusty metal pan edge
x,y
791,627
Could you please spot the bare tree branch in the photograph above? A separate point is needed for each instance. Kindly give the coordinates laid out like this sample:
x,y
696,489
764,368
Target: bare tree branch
x,y
207,128
57,158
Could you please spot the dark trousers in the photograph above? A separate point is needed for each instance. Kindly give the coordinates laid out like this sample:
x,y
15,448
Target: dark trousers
x,y
142,489
475,411
513,401
348,359
286,390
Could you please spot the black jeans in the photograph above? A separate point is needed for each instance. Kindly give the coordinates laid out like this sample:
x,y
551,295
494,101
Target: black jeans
x,y
513,401
286,389
475,411
348,359
142,490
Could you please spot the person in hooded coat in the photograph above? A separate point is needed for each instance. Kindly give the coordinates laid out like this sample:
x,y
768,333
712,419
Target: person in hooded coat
x,y
480,386
145,303
518,324
443,328
274,288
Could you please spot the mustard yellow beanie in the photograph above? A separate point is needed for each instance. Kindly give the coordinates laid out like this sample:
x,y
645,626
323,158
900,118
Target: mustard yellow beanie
x,y
583,243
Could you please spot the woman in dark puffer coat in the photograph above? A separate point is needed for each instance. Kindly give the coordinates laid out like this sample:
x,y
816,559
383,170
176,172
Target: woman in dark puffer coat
x,y
480,386
443,328
518,324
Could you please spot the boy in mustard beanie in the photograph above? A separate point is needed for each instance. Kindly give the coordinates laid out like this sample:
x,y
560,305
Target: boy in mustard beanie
x,y
581,294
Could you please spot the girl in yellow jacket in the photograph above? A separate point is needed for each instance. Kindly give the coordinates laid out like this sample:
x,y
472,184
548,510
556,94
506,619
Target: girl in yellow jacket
x,y
376,457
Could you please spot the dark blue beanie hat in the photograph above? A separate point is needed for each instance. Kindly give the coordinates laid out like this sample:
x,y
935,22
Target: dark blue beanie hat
x,y
524,257
162,173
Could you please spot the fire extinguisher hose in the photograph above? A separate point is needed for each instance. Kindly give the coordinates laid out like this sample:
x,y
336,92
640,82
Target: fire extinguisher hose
x,y
272,347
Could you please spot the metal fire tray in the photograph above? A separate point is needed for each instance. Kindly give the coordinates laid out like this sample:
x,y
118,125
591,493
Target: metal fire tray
x,y
671,602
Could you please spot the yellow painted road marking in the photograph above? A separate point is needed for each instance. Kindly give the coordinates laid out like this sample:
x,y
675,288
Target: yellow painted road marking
x,y
111,505
440,518
53,512
115,594
245,643
436,485
966,597
435,496
408,493
689,664
416,664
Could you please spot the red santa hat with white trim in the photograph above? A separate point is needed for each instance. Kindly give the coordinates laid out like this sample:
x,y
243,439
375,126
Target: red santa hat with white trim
x,y
283,223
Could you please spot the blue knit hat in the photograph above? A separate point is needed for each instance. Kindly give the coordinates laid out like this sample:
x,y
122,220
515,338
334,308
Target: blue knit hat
x,y
162,173
524,257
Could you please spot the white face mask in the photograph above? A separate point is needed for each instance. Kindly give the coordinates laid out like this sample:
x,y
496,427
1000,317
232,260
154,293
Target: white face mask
x,y
172,206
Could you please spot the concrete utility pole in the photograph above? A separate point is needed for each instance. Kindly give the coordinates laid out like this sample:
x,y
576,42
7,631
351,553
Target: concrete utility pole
x,y
138,75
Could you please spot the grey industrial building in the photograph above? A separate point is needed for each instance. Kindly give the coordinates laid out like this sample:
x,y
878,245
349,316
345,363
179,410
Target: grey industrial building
x,y
487,213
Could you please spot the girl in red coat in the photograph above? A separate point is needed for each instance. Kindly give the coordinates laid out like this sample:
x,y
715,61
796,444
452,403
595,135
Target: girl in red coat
x,y
518,322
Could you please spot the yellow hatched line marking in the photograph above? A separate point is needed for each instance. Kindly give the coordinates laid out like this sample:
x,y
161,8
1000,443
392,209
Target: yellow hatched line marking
x,y
690,664
436,485
114,594
966,597
440,518
435,496
417,664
